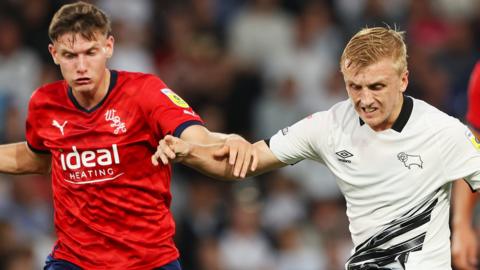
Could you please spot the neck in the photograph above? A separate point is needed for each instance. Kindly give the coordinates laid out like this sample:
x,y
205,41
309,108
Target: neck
x,y
89,99
396,113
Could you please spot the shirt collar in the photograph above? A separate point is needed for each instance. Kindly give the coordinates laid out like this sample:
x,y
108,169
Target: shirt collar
x,y
404,115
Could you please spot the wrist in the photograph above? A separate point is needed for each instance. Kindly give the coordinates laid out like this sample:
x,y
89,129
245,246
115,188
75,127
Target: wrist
x,y
461,223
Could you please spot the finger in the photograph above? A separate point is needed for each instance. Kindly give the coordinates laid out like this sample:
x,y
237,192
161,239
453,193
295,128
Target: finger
x,y
167,149
246,163
472,256
254,165
232,158
154,160
169,139
239,163
165,160
461,261
222,152
158,156
457,254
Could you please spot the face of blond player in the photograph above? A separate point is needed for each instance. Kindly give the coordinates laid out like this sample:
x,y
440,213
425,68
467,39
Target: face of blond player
x,y
83,62
376,92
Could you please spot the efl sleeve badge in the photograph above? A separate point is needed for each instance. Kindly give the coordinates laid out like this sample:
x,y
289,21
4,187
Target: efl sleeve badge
x,y
177,100
473,139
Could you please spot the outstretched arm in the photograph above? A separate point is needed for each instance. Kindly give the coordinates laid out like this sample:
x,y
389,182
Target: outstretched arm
x,y
18,158
241,152
464,239
216,160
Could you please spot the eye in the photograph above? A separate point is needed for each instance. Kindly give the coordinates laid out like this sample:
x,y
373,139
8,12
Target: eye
x,y
376,86
354,86
69,55
91,52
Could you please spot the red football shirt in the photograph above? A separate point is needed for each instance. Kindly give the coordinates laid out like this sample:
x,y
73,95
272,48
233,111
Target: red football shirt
x,y
473,113
111,204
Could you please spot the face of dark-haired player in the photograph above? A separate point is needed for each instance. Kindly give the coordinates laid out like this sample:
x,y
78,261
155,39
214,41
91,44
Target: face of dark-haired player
x,y
83,62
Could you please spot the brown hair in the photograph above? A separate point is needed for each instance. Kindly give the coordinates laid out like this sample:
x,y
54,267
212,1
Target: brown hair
x,y
80,17
370,45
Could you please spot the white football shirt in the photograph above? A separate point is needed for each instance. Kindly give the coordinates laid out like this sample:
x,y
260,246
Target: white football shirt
x,y
396,182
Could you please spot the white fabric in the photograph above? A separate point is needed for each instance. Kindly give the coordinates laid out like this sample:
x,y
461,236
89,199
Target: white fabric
x,y
385,175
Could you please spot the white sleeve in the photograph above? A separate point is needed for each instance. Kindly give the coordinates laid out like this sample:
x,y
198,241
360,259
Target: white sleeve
x,y
303,140
460,154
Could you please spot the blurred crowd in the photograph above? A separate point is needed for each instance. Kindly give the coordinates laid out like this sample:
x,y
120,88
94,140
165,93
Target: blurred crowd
x,y
250,67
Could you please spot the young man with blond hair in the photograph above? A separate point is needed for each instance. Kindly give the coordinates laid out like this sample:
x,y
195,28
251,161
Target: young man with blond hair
x,y
394,158
96,131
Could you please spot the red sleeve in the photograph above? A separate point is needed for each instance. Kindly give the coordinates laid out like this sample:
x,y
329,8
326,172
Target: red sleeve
x,y
34,141
473,113
166,111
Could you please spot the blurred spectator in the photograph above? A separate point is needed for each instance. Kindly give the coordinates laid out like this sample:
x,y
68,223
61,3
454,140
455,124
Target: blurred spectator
x,y
284,205
243,245
311,59
131,48
294,254
20,71
260,32
19,258
250,67
201,219
208,255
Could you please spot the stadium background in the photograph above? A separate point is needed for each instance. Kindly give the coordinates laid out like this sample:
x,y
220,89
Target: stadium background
x,y
250,67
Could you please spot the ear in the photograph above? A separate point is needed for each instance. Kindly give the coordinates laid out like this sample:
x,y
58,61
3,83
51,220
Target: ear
x,y
108,49
404,82
53,53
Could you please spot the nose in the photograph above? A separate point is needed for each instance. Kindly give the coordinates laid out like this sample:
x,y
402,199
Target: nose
x,y
366,98
81,64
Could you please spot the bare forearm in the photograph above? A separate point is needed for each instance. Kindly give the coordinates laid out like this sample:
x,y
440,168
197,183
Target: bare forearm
x,y
16,158
463,204
202,159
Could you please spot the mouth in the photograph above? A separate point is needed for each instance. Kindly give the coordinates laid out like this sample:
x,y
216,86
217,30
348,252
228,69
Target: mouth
x,y
368,110
82,81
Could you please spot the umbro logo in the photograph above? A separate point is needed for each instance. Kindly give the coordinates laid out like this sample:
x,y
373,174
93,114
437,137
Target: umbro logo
x,y
344,154
56,124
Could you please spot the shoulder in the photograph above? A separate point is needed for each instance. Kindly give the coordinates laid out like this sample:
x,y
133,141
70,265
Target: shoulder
x,y
428,120
138,80
474,84
429,116
139,84
342,114
49,92
336,117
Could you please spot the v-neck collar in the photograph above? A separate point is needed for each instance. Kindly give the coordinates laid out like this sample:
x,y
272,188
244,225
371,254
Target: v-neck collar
x,y
113,82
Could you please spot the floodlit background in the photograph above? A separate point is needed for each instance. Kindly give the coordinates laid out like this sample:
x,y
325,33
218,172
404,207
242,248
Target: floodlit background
x,y
246,66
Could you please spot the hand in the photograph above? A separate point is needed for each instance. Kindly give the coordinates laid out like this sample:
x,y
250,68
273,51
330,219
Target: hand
x,y
171,148
241,154
464,248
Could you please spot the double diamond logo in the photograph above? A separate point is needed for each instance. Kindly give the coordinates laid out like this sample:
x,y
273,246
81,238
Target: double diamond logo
x,y
344,154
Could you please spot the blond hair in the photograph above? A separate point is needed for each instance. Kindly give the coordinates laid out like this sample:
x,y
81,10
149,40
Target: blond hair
x,y
371,45
79,18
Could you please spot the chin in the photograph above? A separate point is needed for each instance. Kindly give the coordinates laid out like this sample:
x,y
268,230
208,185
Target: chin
x,y
82,88
371,122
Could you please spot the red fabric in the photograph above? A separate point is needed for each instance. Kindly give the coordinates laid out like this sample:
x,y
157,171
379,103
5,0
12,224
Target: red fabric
x,y
111,204
473,113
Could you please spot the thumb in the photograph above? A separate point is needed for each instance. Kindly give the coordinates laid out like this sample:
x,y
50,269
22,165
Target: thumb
x,y
169,140
472,256
222,152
